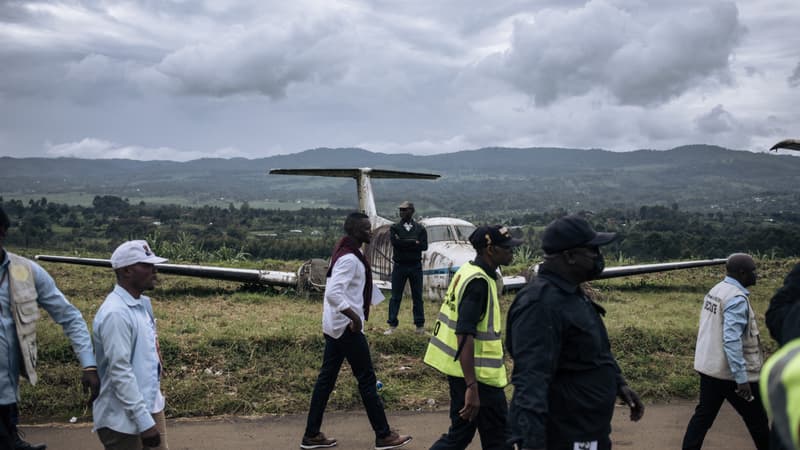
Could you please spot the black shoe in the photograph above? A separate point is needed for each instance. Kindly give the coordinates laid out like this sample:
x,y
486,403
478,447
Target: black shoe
x,y
20,444
318,441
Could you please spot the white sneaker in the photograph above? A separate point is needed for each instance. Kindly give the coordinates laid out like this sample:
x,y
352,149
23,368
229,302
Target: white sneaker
x,y
420,330
390,330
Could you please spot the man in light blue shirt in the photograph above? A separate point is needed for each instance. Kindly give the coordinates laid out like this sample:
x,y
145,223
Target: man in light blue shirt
x,y
728,356
24,287
129,412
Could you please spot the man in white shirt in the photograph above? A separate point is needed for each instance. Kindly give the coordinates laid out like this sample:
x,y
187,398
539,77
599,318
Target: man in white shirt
x,y
129,412
348,294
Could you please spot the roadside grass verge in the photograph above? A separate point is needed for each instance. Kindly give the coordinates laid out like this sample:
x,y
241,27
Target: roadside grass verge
x,y
232,351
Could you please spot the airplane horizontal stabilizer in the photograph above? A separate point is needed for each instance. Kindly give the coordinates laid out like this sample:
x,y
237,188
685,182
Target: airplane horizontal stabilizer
x,y
354,173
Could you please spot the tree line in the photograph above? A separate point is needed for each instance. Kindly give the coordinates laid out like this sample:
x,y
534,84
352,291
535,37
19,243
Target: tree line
x,y
194,234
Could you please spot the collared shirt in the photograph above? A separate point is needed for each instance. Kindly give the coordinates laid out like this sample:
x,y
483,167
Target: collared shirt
x,y
58,307
734,322
565,376
127,363
473,304
344,289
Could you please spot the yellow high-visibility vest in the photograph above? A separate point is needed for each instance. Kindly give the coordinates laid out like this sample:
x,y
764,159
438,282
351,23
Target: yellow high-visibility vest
x,y
442,348
780,392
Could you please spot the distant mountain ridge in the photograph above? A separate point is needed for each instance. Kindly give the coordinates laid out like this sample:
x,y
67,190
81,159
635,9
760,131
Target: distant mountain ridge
x,y
694,176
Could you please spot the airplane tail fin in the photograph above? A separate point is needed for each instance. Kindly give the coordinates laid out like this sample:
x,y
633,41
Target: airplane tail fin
x,y
366,199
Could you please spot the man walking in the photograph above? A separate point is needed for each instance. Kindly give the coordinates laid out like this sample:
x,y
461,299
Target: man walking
x,y
129,413
565,377
728,356
24,287
409,239
466,345
348,295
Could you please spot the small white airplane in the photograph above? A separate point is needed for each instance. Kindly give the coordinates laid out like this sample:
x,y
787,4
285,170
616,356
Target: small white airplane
x,y
448,248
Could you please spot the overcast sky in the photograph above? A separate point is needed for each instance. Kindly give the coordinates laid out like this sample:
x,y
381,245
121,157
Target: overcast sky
x,y
183,79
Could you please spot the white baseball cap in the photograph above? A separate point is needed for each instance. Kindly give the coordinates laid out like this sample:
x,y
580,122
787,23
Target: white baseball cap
x,y
134,252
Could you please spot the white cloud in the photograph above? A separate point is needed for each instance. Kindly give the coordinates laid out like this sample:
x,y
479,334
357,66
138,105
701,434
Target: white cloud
x,y
93,148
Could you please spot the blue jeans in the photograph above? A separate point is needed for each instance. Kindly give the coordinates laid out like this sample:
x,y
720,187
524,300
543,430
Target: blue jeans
x,y
401,273
354,347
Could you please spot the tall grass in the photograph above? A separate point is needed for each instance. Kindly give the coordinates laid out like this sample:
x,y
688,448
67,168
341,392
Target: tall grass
x,y
232,351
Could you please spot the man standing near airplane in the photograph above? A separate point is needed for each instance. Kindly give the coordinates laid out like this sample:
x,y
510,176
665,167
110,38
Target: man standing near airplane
x,y
409,239
24,287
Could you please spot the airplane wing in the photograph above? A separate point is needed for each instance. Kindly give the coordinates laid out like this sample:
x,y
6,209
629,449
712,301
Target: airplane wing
x,y
518,282
789,144
355,173
267,277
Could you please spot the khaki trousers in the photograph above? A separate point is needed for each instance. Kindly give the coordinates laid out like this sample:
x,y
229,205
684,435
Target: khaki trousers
x,y
114,440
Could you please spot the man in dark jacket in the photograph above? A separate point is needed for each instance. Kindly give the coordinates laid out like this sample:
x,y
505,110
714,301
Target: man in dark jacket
x,y
409,239
565,377
783,314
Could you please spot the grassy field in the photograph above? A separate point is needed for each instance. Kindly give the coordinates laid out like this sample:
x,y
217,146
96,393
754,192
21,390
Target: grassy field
x,y
233,351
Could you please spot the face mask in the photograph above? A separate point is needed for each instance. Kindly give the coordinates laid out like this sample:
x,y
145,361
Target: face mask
x,y
599,266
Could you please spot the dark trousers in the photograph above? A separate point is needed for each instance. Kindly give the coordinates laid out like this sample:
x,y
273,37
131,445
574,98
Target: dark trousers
x,y
354,347
490,423
713,392
8,426
401,273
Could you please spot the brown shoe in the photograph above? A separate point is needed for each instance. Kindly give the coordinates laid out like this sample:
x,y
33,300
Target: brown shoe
x,y
318,441
393,440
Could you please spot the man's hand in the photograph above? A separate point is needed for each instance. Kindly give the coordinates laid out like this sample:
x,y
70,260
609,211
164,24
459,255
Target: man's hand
x,y
743,390
472,403
631,398
151,437
355,324
91,383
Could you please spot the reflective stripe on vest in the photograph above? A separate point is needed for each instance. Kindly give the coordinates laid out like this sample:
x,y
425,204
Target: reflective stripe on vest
x,y
443,346
780,392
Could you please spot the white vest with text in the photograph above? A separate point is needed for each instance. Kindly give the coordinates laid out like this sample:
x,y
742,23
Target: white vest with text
x,y
709,354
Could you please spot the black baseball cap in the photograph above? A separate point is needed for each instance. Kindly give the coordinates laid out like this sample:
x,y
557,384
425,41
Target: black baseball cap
x,y
486,235
570,232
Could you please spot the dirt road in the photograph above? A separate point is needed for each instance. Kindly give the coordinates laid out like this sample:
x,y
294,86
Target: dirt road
x,y
661,428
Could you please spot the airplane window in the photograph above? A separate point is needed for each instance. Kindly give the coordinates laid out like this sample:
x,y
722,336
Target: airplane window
x,y
438,233
463,232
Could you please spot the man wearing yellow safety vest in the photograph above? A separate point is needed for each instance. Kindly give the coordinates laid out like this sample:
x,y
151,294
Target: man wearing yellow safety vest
x,y
780,392
466,344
